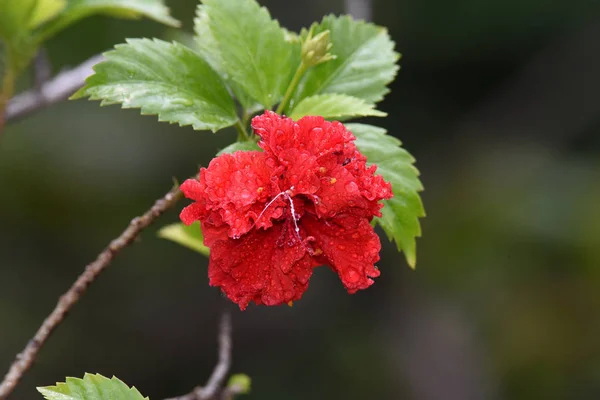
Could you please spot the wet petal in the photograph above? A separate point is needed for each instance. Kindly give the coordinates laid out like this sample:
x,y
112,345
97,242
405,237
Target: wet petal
x,y
270,266
237,186
349,245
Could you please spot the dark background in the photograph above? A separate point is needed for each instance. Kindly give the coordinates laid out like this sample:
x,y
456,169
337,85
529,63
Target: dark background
x,y
498,101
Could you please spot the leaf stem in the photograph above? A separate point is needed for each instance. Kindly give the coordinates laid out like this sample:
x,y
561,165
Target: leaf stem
x,y
293,84
242,133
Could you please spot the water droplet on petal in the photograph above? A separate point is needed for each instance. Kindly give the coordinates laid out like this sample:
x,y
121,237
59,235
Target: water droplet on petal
x,y
352,276
351,187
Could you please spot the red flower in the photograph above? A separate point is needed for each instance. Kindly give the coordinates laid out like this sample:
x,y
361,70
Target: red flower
x,y
270,217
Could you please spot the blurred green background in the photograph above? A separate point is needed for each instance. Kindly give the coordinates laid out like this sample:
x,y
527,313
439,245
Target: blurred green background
x,y
497,100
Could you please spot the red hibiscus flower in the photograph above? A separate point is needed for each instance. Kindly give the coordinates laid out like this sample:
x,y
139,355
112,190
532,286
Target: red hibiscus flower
x,y
270,217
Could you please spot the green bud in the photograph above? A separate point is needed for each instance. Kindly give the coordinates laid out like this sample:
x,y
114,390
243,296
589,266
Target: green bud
x,y
240,382
315,49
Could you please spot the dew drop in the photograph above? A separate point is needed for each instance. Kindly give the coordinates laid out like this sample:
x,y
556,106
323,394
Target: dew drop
x,y
316,131
182,101
351,187
352,276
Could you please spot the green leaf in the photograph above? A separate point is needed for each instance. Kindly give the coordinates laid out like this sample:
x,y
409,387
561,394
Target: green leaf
x,y
15,16
253,47
19,17
45,10
248,145
207,45
130,9
164,79
208,48
334,106
240,382
365,61
19,47
187,236
91,387
400,214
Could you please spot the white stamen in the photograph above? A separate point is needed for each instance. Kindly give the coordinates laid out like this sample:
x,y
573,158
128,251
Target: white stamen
x,y
287,194
266,207
293,215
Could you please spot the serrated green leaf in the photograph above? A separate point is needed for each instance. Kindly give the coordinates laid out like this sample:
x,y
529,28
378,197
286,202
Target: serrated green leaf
x,y
334,106
248,145
401,213
253,47
207,45
129,9
91,387
208,48
365,61
187,236
45,10
164,79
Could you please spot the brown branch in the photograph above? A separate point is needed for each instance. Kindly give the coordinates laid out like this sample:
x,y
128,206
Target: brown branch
x,y
26,358
50,92
359,9
213,387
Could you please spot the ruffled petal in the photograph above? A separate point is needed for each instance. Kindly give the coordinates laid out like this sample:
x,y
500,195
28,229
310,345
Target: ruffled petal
x,y
349,245
237,186
351,188
314,135
269,267
319,160
193,212
249,203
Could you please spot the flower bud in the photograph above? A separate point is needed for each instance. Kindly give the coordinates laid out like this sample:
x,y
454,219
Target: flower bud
x,y
315,49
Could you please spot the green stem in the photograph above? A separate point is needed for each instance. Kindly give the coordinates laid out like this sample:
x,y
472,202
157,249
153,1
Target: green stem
x,y
245,117
242,134
293,84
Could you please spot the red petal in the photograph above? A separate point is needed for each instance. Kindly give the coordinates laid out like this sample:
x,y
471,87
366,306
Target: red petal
x,y
311,134
193,189
349,245
236,186
320,160
193,212
268,266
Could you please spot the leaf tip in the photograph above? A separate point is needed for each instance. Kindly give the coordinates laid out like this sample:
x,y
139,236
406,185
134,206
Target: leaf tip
x,y
412,262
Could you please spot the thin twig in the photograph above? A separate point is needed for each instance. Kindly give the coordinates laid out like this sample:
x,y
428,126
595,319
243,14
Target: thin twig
x,y
213,387
231,391
42,70
26,358
359,9
53,91
222,368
